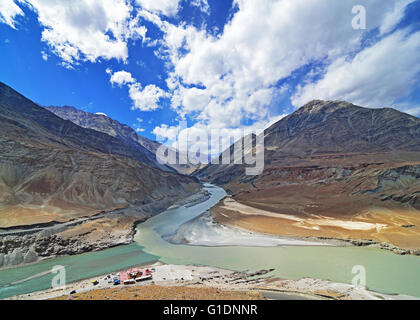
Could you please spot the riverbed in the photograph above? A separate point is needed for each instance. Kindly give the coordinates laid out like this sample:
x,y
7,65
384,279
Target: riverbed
x,y
386,272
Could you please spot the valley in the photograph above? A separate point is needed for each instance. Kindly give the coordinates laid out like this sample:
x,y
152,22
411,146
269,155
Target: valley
x,y
86,191
54,172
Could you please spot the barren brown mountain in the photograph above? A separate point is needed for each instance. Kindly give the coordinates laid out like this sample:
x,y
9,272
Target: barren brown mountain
x,y
332,169
54,170
126,134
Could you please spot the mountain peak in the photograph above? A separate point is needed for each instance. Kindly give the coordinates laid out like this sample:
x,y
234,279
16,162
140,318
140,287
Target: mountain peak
x,y
315,106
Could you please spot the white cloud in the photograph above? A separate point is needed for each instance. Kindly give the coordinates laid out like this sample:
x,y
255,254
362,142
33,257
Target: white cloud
x,y
83,30
138,127
190,99
236,73
166,132
413,110
9,10
166,7
146,99
121,78
203,5
44,55
392,18
376,77
183,138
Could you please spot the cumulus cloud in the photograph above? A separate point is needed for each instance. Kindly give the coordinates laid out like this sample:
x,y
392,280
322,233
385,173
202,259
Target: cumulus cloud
x,y
182,137
144,99
376,77
9,10
166,7
121,78
190,99
227,80
87,30
166,132
82,30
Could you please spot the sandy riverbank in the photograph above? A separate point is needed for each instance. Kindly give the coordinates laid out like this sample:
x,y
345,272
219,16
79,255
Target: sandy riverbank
x,y
180,282
397,233
204,231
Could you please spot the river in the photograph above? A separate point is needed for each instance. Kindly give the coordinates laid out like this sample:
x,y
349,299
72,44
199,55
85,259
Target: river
x,y
385,272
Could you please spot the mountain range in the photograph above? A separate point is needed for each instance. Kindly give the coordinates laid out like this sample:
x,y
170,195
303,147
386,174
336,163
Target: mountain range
x,y
333,160
123,132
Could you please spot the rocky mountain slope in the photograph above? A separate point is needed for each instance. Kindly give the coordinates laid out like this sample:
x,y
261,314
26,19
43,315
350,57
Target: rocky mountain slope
x,y
336,160
331,131
126,134
54,170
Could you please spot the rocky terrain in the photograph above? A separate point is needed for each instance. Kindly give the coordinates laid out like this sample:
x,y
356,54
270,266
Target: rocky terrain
x,y
126,134
88,236
54,171
331,160
28,244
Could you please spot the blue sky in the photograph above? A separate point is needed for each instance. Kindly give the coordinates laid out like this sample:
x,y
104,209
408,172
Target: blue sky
x,y
217,64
